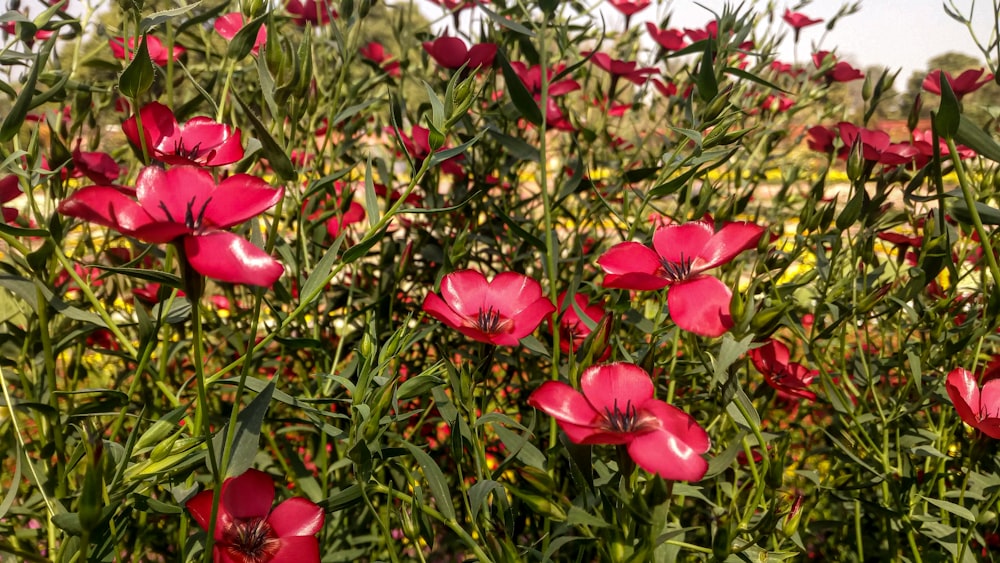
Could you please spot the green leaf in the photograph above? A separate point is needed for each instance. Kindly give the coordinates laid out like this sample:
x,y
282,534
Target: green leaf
x,y
956,509
28,290
275,155
155,19
479,492
371,198
435,480
162,278
977,139
246,440
988,215
578,515
949,113
504,22
12,486
15,118
753,78
138,75
244,40
519,94
417,386
708,86
672,186
737,416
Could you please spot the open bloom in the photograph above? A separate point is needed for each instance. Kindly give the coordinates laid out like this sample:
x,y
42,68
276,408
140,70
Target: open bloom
x,y
837,71
629,7
629,70
230,24
698,303
157,52
798,20
201,141
501,312
786,377
979,409
451,53
969,81
310,11
375,52
248,531
669,39
617,407
184,206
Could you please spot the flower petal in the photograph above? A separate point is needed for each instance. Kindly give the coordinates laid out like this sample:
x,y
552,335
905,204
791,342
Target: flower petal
x,y
678,423
439,309
509,293
226,257
528,319
465,291
701,306
296,516
726,244
563,403
106,206
610,387
238,198
296,549
682,243
175,195
666,455
248,496
964,393
218,144
158,123
631,265
200,507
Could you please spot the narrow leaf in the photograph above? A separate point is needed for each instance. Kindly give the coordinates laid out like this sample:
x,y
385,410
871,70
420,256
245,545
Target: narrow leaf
x,y
435,480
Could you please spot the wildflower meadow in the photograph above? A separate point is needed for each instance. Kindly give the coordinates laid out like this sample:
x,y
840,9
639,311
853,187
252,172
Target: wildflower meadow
x,y
494,281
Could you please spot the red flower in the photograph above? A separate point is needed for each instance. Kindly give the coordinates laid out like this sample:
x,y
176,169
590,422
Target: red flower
x,y
458,5
876,145
629,7
451,53
310,11
698,303
157,53
201,141
820,138
572,329
669,39
838,71
787,378
798,20
9,189
99,167
501,312
979,409
532,79
779,103
710,31
248,531
617,407
184,206
418,146
968,81
375,53
628,70
228,25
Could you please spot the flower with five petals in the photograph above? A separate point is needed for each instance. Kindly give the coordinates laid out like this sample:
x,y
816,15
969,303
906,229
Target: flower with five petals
x,y
200,142
247,530
680,256
979,408
500,312
617,407
184,206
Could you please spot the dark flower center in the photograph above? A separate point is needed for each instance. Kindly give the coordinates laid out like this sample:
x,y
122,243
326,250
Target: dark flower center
x,y
190,220
627,420
676,271
252,541
490,321
188,153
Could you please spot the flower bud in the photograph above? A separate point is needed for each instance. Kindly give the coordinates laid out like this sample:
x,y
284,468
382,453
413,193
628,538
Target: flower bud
x,y
856,160
866,88
790,525
252,8
914,116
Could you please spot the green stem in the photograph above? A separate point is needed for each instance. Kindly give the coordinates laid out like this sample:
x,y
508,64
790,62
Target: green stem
x,y
970,202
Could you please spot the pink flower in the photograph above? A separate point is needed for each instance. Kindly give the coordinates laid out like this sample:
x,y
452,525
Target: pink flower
x,y
839,71
184,206
820,138
710,31
698,303
572,329
9,189
99,167
876,145
969,81
247,530
157,52
451,53
458,5
532,79
979,409
629,7
786,377
310,11
628,70
617,407
418,146
669,39
375,53
229,25
798,20
201,141
501,312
